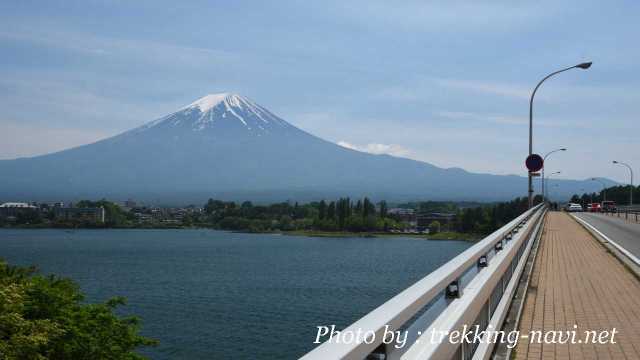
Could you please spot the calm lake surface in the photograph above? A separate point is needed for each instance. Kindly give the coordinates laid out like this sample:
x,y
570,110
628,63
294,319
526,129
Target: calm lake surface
x,y
217,295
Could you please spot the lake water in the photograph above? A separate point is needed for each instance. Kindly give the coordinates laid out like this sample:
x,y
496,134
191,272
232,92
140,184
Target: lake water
x,y
208,294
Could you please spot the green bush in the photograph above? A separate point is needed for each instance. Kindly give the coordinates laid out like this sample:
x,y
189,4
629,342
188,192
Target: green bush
x,y
44,318
434,227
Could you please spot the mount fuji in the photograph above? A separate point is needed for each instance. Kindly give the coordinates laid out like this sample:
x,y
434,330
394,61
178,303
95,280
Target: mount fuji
x,y
226,146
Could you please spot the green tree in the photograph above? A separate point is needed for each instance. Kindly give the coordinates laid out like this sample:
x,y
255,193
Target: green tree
x,y
214,205
188,220
114,215
343,211
331,211
368,208
358,208
383,209
286,223
322,210
29,216
46,318
434,227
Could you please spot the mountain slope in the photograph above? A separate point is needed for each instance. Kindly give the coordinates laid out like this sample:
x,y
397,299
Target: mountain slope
x,y
226,146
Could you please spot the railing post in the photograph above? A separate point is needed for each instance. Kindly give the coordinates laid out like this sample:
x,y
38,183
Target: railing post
x,y
453,291
482,261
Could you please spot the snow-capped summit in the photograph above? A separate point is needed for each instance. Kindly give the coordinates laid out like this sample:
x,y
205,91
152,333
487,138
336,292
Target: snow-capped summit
x,y
224,112
207,102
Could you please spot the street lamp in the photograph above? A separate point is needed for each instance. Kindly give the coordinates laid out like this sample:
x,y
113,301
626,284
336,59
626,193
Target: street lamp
x,y
544,160
583,66
631,171
550,175
604,188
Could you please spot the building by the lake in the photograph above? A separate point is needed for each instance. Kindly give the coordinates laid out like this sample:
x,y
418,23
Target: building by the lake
x,y
79,213
13,209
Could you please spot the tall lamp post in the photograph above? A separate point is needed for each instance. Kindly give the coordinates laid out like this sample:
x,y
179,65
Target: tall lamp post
x,y
543,163
631,171
550,175
604,188
584,66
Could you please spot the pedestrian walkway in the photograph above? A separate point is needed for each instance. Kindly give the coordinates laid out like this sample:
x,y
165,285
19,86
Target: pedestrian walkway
x,y
576,281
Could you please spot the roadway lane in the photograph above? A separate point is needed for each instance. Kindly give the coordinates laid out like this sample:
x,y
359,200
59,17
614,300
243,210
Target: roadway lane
x,y
625,234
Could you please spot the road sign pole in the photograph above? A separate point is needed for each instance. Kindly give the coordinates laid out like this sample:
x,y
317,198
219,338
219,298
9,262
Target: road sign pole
x,y
534,163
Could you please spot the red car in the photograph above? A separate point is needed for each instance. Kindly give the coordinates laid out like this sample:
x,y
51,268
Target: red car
x,y
594,207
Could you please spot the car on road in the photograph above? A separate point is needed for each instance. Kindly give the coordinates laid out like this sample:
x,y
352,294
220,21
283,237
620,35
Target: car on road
x,y
594,207
573,207
609,206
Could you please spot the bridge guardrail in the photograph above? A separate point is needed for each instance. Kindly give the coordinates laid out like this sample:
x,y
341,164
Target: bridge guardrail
x,y
629,207
474,288
631,213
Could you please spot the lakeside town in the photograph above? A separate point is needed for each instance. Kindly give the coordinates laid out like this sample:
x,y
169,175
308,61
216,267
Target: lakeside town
x,y
340,217
343,216
98,214
105,214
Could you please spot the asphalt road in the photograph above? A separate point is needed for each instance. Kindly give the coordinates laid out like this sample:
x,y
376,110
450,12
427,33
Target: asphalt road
x,y
625,234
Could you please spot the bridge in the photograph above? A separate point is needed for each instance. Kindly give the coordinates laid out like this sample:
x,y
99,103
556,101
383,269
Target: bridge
x,y
548,285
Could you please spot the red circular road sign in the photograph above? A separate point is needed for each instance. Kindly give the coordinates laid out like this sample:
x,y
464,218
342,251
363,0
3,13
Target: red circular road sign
x,y
534,162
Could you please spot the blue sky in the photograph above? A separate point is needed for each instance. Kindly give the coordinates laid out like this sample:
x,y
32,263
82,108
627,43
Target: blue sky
x,y
441,81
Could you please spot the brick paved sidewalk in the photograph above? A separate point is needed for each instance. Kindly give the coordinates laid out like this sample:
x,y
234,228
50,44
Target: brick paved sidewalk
x,y
576,281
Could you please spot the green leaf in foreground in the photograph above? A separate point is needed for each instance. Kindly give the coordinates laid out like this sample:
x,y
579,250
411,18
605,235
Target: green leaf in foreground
x,y
43,317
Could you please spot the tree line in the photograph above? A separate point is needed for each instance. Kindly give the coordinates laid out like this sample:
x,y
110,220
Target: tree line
x,y
485,219
362,215
618,194
343,214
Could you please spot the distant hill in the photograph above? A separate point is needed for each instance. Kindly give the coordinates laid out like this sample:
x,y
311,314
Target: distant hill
x,y
226,146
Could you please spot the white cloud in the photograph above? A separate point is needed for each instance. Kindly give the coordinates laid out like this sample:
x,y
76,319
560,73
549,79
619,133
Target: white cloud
x,y
377,148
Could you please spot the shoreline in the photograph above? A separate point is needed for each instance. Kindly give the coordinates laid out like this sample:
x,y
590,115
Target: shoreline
x,y
437,236
448,235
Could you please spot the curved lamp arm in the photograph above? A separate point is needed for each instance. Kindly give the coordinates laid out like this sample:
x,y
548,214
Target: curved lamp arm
x,y
631,171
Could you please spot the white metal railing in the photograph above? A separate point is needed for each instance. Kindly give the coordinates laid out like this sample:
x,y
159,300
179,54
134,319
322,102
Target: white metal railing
x,y
481,275
627,212
629,207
